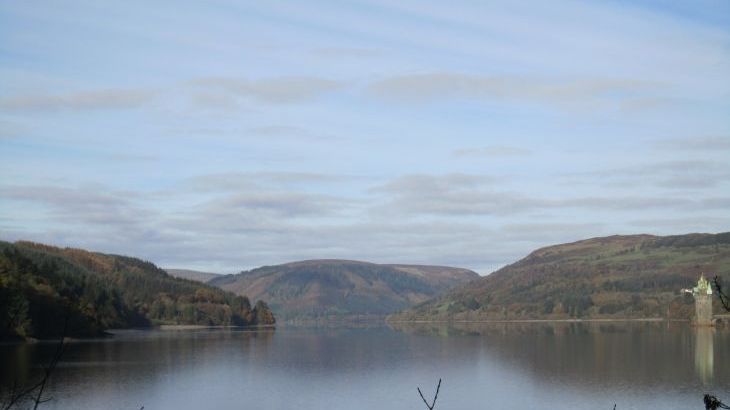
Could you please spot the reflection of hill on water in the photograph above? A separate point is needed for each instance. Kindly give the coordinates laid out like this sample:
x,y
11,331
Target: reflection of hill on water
x,y
646,353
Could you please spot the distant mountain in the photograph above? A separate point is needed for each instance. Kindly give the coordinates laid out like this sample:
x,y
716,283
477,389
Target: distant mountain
x,y
41,287
320,288
192,274
613,277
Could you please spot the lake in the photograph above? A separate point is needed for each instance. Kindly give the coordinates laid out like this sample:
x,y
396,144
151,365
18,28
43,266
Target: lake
x,y
483,366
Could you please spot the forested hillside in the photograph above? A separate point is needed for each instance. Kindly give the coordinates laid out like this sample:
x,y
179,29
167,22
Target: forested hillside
x,y
637,276
192,274
45,288
341,288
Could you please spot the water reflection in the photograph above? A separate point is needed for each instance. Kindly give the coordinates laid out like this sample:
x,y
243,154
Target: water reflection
x,y
593,353
569,365
704,354
133,359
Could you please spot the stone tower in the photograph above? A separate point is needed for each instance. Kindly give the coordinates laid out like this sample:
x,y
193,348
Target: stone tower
x,y
703,302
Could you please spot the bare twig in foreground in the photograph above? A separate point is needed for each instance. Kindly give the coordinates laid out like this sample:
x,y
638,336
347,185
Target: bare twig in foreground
x,y
724,299
34,392
430,406
47,370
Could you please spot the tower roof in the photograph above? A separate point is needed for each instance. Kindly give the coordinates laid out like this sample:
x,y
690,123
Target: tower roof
x,y
703,286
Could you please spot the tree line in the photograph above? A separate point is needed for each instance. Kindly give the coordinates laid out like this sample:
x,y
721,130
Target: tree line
x,y
42,286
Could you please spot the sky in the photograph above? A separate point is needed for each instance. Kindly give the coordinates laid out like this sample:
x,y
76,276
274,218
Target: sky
x,y
225,135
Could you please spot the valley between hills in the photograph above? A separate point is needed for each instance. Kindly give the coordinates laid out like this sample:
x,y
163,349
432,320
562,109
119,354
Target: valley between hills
x,y
616,277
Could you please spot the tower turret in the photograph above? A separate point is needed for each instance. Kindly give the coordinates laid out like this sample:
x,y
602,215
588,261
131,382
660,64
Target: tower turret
x,y
703,302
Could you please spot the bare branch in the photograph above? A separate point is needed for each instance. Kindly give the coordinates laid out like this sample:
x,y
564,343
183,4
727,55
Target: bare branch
x,y
422,398
430,406
724,299
51,366
34,392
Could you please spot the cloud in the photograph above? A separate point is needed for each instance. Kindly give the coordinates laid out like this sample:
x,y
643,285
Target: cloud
x,y
686,224
278,131
492,151
288,132
451,195
233,221
469,195
549,232
279,204
131,157
482,67
92,100
279,90
628,203
672,174
140,224
445,85
345,52
433,183
91,205
699,144
260,198
10,130
241,181
244,225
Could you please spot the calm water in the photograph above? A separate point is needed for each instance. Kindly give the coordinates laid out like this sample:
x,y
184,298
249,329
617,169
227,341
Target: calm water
x,y
560,366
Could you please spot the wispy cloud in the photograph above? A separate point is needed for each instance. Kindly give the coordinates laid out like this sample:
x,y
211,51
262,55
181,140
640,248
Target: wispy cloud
x,y
92,205
91,100
434,183
275,204
492,151
470,195
699,144
346,52
247,219
260,133
237,181
684,224
10,129
451,195
549,232
279,90
669,174
288,132
445,86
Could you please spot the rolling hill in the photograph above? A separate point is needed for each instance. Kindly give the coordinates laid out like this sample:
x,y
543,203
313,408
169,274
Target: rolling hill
x,y
637,276
192,274
341,288
43,287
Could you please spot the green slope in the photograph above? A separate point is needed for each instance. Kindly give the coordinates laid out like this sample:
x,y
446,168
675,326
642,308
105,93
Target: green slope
x,y
637,276
41,286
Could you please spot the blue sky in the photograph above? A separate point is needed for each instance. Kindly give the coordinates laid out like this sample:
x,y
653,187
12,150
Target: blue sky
x,y
226,135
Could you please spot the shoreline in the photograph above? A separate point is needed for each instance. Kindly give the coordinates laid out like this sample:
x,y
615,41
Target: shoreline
x,y
194,327
649,319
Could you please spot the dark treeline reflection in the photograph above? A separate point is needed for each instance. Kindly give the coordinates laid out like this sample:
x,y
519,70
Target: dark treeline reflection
x,y
135,360
486,366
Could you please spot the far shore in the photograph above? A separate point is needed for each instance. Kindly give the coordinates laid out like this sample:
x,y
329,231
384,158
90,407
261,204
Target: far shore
x,y
647,319
191,327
